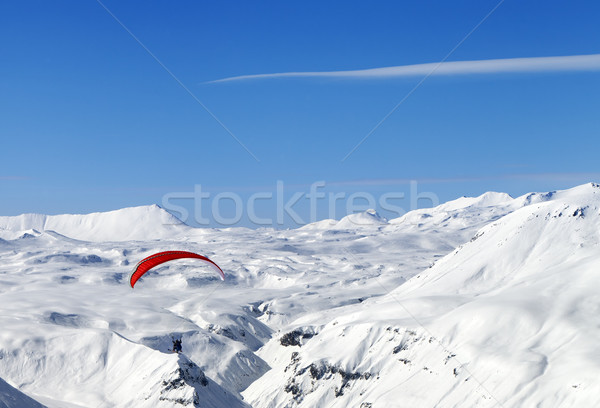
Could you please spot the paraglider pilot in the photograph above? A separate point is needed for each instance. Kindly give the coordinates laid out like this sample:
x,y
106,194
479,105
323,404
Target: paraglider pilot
x,y
177,346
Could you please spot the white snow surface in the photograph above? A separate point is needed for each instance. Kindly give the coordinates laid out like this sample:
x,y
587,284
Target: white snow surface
x,y
480,302
136,223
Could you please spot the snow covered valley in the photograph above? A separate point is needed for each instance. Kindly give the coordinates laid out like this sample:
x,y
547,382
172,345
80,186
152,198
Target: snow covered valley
x,y
489,301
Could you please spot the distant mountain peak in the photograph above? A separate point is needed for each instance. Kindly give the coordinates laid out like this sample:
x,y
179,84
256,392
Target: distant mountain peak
x,y
369,217
132,223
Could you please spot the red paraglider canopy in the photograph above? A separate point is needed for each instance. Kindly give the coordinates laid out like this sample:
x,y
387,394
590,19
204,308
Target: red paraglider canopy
x,y
153,260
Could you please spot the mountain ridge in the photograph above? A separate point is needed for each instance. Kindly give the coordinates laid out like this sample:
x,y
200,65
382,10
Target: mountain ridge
x,y
130,223
505,319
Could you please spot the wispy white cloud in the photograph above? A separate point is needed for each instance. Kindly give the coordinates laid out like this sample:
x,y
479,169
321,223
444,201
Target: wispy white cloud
x,y
568,177
492,66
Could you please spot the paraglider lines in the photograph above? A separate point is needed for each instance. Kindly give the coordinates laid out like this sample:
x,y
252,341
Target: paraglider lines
x,y
422,80
178,81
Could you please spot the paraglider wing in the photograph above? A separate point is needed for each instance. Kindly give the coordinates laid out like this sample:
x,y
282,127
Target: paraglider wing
x,y
153,260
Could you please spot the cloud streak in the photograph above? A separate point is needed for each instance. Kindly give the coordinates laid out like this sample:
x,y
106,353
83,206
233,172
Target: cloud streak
x,y
493,66
570,177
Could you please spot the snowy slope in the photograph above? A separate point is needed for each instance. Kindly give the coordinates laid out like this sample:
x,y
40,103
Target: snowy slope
x,y
509,319
406,312
135,223
462,212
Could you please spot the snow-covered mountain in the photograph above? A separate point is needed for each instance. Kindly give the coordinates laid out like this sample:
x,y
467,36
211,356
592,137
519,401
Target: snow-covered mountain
x,y
485,301
136,223
507,319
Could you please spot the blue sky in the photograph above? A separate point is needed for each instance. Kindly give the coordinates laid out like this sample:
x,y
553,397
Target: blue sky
x,y
92,122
